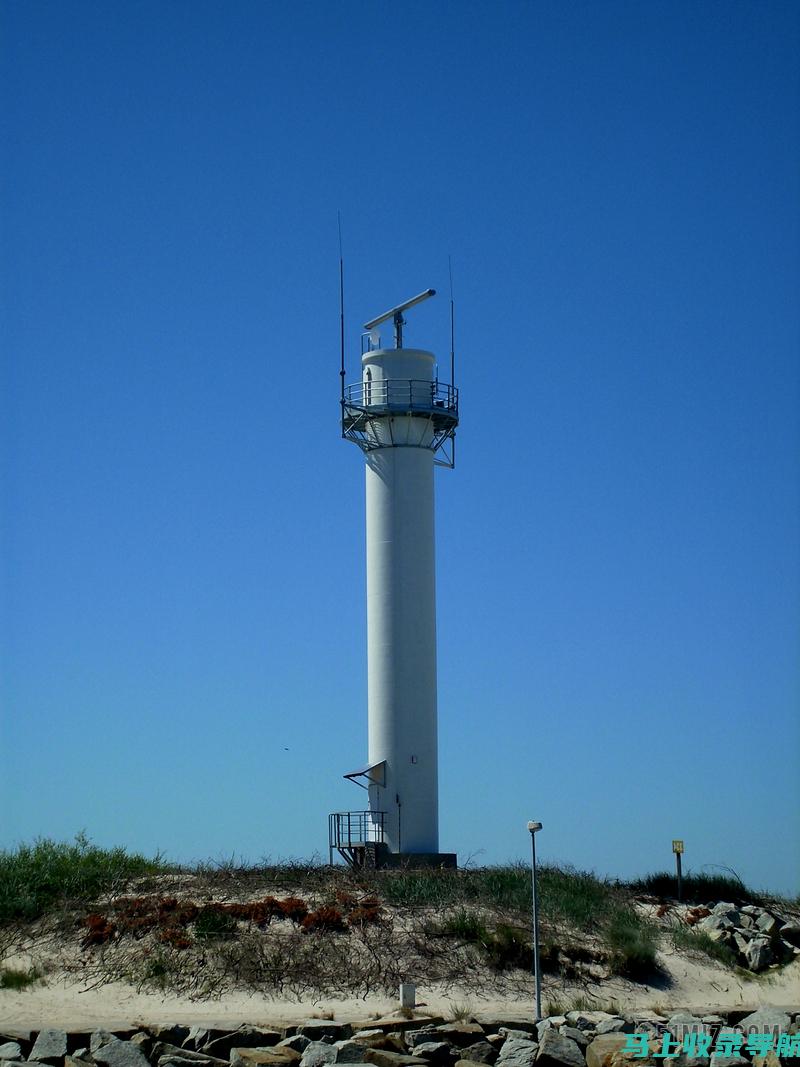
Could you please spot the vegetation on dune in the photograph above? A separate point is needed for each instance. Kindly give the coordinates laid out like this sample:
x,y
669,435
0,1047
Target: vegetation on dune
x,y
35,878
697,942
574,905
13,978
298,927
697,888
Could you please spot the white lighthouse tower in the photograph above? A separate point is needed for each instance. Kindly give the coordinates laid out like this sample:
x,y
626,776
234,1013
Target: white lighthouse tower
x,y
404,420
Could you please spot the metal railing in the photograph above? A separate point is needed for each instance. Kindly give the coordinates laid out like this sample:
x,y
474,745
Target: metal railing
x,y
402,394
350,830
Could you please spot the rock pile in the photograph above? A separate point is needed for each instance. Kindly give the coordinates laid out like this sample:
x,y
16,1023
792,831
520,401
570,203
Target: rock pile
x,y
758,937
577,1039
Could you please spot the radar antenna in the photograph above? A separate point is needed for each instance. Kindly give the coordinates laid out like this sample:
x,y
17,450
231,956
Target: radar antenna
x,y
396,314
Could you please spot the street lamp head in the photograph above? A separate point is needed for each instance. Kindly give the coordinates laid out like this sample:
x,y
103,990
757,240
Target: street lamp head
x,y
534,826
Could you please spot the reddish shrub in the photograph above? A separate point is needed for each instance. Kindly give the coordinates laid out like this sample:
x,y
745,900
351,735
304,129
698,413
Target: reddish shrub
x,y
293,908
364,916
99,930
175,936
263,911
185,913
238,911
135,907
324,918
694,915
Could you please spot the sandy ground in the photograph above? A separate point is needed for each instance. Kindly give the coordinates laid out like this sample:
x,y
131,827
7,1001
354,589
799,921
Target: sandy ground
x,y
693,985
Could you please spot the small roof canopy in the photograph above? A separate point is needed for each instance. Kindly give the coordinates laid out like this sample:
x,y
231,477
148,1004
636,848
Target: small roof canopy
x,y
373,772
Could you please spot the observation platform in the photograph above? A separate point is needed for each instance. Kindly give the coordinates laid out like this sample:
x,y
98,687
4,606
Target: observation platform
x,y
366,401
358,836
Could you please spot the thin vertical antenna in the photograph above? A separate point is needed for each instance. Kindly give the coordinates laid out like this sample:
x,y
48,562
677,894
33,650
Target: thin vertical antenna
x,y
341,299
452,327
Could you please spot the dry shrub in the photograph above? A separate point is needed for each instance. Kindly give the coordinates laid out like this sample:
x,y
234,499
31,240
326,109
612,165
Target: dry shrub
x,y
99,930
346,899
238,911
325,917
175,936
293,908
186,913
694,915
136,915
365,913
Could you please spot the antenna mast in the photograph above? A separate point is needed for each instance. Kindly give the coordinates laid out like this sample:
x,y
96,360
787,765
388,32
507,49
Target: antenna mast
x,y
341,298
452,326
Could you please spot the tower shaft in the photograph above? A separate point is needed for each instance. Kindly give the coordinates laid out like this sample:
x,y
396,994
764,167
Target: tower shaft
x,y
403,418
401,645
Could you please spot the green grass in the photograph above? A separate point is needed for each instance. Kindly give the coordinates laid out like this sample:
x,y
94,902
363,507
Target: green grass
x,y
697,888
488,907
11,978
574,896
35,878
689,939
464,925
213,924
632,944
578,900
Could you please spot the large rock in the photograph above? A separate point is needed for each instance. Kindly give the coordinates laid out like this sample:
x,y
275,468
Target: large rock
x,y
25,1038
391,1023
758,954
461,1035
580,1037
480,1052
768,924
244,1037
765,1021
615,1025
383,1058
517,1052
716,922
602,1048
325,1030
372,1038
171,1033
264,1057
11,1050
318,1053
683,1022
724,908
50,1047
791,932
419,1037
725,936
587,1020
558,1051
296,1042
163,1049
120,1054
349,1051
438,1052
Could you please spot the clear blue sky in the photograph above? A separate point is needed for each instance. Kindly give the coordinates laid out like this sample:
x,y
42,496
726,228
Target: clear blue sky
x,y
183,616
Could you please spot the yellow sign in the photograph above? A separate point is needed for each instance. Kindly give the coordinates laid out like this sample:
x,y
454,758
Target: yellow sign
x,y
677,846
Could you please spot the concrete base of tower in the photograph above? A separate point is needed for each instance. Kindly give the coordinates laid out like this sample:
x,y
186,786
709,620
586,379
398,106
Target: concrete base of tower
x,y
387,860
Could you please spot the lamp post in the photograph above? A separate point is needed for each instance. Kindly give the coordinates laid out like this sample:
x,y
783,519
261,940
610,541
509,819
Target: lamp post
x,y
533,827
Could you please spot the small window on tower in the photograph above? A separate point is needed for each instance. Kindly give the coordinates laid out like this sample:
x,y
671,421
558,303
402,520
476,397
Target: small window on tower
x,y
368,386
